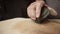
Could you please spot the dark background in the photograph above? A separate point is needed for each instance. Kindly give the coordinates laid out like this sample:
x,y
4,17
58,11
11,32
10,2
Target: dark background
x,y
18,8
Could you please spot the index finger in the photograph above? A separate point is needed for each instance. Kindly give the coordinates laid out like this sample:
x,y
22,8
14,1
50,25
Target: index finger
x,y
39,6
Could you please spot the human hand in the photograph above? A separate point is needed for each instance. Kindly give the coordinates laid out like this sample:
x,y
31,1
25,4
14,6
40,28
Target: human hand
x,y
34,9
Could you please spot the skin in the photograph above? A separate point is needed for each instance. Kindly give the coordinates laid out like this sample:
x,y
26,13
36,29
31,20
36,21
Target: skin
x,y
34,9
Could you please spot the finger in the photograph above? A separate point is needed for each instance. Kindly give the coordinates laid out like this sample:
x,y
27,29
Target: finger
x,y
52,11
39,5
31,11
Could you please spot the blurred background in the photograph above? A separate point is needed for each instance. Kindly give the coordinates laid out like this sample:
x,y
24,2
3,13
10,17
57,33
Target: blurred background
x,y
18,8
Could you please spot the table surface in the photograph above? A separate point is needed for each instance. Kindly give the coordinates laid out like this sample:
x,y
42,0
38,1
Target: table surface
x,y
28,26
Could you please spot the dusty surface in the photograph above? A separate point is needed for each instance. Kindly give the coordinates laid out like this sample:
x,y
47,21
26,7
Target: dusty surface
x,y
27,26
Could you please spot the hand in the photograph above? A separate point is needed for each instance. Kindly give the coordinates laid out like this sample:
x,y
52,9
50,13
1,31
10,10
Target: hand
x,y
34,9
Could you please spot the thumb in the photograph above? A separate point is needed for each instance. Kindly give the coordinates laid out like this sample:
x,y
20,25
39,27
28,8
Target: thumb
x,y
53,12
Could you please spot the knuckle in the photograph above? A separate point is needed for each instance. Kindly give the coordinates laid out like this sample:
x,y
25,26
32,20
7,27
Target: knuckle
x,y
28,8
42,2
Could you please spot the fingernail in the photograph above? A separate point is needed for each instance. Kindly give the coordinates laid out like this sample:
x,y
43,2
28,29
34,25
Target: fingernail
x,y
37,16
34,18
